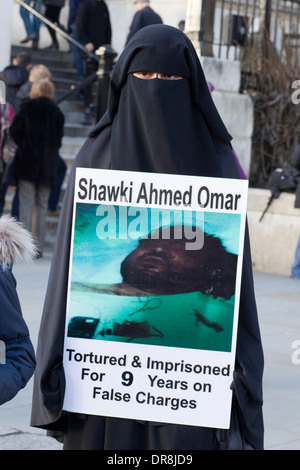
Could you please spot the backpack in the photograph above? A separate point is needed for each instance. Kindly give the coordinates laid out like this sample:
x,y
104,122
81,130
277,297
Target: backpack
x,y
281,180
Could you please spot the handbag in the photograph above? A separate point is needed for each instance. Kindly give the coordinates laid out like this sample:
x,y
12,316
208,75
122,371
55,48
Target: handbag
x,y
9,150
283,180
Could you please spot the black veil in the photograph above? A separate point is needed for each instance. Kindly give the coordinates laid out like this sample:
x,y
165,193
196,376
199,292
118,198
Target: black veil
x,y
187,136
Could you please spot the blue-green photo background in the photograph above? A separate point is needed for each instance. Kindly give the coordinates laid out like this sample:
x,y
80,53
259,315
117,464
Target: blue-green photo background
x,y
98,260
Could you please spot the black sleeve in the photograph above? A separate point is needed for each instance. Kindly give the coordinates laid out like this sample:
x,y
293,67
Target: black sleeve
x,y
135,26
17,128
18,364
108,28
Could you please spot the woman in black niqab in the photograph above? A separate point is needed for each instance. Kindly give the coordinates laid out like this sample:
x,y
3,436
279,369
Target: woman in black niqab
x,y
164,126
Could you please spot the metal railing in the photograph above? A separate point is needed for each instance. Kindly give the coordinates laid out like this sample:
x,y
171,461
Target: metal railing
x,y
57,29
235,25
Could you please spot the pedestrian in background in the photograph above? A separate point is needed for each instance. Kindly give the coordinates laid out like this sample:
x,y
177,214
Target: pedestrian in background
x,y
15,75
72,29
17,357
37,131
160,119
31,22
52,13
144,16
94,30
295,161
37,72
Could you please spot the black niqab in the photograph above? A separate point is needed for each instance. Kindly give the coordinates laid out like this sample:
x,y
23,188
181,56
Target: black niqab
x,y
165,126
170,127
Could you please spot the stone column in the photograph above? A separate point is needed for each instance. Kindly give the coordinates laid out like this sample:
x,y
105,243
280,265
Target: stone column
x,y
193,21
199,25
5,32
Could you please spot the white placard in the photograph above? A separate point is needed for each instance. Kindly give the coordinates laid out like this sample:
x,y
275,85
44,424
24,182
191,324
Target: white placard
x,y
145,340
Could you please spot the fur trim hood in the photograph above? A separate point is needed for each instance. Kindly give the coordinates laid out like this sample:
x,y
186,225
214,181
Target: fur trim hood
x,y
16,243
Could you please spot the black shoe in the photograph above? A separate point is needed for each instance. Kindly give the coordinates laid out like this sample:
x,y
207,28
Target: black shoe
x,y
52,47
29,37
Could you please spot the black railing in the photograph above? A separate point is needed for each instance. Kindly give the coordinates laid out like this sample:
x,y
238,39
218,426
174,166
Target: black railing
x,y
57,29
237,23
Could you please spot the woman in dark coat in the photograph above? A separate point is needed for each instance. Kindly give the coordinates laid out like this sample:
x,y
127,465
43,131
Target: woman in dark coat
x,y
37,131
165,125
94,30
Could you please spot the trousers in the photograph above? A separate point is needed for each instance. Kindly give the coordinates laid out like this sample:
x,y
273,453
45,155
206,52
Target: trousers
x,y
34,196
31,22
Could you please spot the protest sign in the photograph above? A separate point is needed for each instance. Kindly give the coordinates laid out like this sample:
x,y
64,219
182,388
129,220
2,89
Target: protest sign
x,y
153,296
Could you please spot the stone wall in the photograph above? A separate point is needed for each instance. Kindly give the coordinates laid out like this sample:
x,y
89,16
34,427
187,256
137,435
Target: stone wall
x,y
235,109
274,239
6,12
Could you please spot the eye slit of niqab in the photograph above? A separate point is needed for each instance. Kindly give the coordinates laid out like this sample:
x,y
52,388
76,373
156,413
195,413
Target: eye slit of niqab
x,y
145,75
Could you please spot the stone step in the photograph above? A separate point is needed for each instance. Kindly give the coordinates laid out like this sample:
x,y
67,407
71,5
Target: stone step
x,y
61,59
63,84
71,145
75,117
62,87
71,105
68,73
77,130
67,83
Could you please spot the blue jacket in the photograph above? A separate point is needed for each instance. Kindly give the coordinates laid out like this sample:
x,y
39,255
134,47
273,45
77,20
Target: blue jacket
x,y
17,357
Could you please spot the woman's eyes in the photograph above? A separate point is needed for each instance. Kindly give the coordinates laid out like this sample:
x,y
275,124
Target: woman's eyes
x,y
152,75
165,76
145,75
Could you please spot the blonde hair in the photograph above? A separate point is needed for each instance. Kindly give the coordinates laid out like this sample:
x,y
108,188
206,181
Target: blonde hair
x,y
42,89
38,72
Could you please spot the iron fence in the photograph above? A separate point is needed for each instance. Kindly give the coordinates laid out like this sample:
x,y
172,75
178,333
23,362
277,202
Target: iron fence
x,y
234,25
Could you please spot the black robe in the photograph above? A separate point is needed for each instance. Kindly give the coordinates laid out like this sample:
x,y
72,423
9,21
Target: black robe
x,y
146,129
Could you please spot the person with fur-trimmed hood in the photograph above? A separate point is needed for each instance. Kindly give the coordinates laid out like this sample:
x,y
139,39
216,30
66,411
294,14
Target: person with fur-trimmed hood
x,y
17,356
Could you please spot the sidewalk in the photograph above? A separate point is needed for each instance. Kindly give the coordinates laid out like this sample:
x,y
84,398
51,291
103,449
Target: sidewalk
x,y
278,300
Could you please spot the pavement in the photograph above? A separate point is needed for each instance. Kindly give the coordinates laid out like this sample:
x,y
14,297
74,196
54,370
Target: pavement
x,y
278,300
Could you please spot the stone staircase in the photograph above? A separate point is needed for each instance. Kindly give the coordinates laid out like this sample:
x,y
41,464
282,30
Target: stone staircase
x,y
61,65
